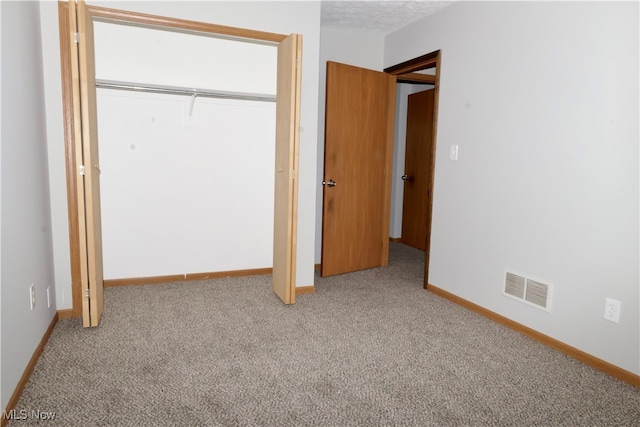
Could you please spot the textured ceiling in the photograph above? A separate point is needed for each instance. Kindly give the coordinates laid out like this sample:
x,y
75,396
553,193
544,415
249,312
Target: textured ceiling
x,y
379,16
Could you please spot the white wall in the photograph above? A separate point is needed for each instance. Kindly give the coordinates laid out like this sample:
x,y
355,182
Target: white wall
x,y
153,56
277,17
184,190
27,253
360,49
542,99
185,194
55,152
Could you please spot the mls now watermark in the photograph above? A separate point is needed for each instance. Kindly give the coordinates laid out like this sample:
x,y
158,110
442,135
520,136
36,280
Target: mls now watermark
x,y
34,414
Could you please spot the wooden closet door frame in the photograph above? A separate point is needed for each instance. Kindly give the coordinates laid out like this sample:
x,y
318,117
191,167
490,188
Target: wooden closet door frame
x,y
135,19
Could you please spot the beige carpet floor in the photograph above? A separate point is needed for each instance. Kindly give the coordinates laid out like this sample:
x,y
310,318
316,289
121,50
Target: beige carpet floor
x,y
370,348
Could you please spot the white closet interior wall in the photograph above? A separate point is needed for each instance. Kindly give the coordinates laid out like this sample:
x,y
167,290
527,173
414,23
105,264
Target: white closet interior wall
x,y
184,189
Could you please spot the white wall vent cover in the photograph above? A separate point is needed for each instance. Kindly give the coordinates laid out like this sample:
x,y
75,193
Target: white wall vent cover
x,y
514,285
537,293
531,292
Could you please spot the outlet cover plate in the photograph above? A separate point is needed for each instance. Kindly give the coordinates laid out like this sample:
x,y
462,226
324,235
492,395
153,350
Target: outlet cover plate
x,y
612,310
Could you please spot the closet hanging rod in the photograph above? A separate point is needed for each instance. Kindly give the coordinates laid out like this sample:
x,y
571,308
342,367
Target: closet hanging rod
x,y
177,90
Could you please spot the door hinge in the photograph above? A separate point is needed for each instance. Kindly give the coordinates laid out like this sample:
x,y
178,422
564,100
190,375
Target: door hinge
x,y
87,294
76,37
81,168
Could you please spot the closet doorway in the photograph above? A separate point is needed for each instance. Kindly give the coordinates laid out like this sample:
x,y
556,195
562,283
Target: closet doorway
x,y
83,172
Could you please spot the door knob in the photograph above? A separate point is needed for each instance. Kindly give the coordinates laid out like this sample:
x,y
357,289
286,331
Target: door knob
x,y
406,178
330,183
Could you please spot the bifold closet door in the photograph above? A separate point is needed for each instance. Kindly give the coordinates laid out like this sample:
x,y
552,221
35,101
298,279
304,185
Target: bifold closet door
x,y
86,144
286,179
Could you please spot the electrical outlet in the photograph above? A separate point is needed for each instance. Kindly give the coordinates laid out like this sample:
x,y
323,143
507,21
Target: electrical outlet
x,y
49,296
32,296
612,310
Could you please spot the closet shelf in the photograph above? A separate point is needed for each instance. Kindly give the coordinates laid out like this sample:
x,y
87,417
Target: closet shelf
x,y
177,90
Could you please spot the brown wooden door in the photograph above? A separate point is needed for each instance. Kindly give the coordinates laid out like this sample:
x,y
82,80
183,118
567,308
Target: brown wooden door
x,y
417,169
359,127
86,140
286,179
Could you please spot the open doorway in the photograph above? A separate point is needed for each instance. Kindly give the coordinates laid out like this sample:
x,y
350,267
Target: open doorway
x,y
356,195
424,71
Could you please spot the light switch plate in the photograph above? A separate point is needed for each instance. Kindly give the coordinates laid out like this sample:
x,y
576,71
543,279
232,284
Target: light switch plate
x,y
453,152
